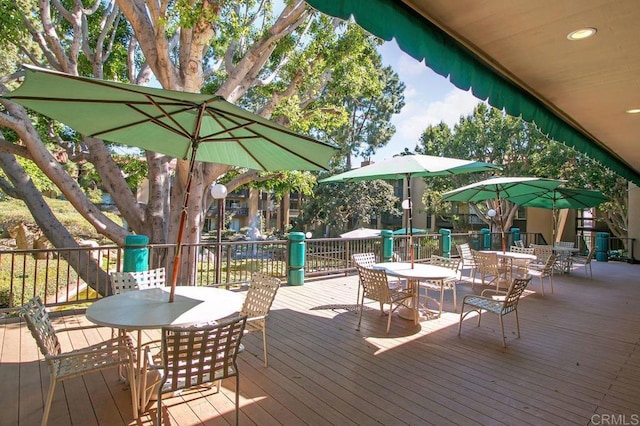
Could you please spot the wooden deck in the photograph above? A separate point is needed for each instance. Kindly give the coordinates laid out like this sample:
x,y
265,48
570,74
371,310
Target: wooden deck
x,y
577,362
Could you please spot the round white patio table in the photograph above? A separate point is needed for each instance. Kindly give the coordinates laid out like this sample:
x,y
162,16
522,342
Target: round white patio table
x,y
150,309
564,256
510,256
420,271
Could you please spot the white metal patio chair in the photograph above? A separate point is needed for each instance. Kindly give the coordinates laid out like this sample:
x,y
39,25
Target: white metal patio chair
x,y
257,304
376,287
112,353
195,356
496,302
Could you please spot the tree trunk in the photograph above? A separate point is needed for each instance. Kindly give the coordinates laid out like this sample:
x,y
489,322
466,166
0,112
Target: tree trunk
x,y
81,261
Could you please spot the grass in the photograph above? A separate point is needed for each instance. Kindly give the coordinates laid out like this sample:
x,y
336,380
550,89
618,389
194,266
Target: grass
x,y
13,212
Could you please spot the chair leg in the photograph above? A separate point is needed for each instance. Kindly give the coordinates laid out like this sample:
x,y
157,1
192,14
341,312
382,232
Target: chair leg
x,y
237,398
361,309
542,284
389,319
47,404
264,344
517,323
455,298
504,339
551,281
135,392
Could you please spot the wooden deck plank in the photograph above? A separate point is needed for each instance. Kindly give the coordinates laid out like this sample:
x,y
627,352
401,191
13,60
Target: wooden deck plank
x,y
579,356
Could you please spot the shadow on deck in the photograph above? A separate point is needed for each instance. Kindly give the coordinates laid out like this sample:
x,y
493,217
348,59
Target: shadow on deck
x,y
577,361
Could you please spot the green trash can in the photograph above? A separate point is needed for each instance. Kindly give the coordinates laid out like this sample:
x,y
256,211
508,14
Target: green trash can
x,y
297,248
602,246
136,253
387,245
446,242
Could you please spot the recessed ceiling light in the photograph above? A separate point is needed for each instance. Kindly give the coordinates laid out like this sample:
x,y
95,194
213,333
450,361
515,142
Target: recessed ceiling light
x,y
633,111
582,33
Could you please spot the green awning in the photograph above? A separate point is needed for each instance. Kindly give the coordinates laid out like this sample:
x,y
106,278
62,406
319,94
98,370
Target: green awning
x,y
422,40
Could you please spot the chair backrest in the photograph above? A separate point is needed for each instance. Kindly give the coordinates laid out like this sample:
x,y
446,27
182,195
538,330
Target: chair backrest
x,y
445,262
364,259
518,243
39,324
122,282
395,257
542,252
196,355
487,263
591,255
547,269
260,296
516,289
585,260
526,250
569,244
375,283
464,251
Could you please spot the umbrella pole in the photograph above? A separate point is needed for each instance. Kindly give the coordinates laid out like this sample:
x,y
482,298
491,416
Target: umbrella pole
x,y
183,219
504,242
411,253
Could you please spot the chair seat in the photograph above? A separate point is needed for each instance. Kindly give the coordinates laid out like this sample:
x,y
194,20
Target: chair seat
x,y
110,353
491,305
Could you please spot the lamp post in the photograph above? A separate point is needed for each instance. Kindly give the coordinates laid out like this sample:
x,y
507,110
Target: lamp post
x,y
219,193
492,214
407,205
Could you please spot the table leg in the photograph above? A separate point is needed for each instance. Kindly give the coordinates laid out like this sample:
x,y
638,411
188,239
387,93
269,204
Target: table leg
x,y
412,313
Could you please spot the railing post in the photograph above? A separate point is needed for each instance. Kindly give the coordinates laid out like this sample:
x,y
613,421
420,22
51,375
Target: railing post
x,y
486,238
296,258
387,245
446,242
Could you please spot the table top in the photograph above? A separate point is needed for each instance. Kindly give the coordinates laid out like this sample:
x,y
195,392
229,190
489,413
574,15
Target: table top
x,y
423,271
150,308
511,254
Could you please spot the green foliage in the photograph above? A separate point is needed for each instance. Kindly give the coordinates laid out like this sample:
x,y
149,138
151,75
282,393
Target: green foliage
x,y
40,180
489,135
342,206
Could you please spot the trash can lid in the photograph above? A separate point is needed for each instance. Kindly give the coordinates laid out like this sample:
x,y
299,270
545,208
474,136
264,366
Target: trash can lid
x,y
136,240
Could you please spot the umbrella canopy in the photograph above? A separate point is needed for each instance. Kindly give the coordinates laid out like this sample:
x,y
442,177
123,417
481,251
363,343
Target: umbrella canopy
x,y
408,166
361,233
180,124
414,166
501,187
189,126
404,231
561,198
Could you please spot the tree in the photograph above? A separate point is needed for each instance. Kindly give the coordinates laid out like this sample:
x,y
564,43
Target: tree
x,y
279,64
490,135
341,206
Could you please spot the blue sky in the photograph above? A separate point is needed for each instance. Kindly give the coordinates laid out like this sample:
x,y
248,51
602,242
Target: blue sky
x,y
429,97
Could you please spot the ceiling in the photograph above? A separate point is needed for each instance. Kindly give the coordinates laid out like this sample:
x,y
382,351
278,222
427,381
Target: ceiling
x,y
591,83
588,84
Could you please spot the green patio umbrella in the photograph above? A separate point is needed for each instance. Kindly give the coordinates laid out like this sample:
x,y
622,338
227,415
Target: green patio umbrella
x,y
501,188
189,126
560,198
404,231
409,166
